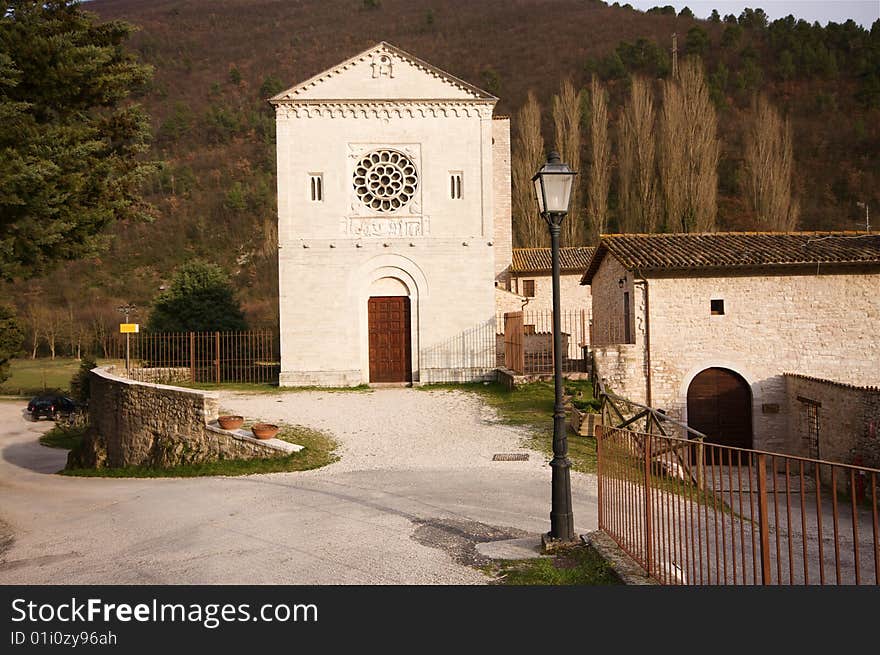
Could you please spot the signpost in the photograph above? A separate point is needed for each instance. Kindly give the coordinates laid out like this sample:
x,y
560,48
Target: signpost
x,y
128,329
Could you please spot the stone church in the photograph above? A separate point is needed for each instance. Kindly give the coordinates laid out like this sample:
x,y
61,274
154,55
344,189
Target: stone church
x,y
393,223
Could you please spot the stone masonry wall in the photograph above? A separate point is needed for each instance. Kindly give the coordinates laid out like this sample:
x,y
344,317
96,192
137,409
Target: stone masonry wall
x,y
848,418
502,205
573,295
819,325
141,424
607,296
621,366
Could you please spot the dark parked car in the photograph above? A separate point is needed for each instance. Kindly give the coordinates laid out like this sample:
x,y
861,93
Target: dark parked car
x,y
51,406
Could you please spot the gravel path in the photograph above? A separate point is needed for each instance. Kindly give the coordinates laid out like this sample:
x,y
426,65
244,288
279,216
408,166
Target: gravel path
x,y
415,491
396,429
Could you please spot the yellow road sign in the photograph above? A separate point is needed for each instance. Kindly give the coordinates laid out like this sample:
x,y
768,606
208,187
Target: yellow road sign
x,y
129,328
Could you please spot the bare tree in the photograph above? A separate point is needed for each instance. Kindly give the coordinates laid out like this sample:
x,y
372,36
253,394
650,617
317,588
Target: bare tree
x,y
53,328
688,152
567,126
101,333
638,176
75,330
528,156
600,166
34,319
769,164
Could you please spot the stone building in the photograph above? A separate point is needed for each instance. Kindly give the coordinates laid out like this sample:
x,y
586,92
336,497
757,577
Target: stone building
x,y
531,282
704,326
393,223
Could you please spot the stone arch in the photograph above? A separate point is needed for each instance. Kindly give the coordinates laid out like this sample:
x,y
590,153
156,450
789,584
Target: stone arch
x,y
719,402
410,278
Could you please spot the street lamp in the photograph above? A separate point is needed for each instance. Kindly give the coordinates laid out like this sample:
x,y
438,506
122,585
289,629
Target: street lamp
x,y
553,184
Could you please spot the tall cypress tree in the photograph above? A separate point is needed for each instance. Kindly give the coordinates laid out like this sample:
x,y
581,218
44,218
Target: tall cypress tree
x,y
71,139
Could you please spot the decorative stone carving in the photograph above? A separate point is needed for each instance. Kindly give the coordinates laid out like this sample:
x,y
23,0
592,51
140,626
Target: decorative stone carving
x,y
389,110
385,180
375,226
382,65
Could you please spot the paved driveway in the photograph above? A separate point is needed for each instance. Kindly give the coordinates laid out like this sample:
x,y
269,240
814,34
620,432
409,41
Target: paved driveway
x,y
415,489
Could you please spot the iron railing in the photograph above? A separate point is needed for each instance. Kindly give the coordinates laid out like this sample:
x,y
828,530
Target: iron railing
x,y
201,357
696,513
532,347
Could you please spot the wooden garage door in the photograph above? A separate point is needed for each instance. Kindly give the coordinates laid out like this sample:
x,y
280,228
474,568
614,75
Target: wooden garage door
x,y
389,339
720,406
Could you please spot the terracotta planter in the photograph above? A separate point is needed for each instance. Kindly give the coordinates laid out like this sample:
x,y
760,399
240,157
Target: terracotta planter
x,y
264,430
230,422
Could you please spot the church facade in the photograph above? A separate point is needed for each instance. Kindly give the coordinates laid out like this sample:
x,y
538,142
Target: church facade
x,y
393,224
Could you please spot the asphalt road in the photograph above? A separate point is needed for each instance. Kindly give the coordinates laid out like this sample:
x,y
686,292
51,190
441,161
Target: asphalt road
x,y
351,523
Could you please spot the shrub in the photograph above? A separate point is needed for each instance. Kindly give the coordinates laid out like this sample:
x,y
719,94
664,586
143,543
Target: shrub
x,y
80,388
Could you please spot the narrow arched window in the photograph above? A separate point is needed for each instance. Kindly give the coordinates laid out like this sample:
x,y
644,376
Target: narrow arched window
x,y
455,185
316,187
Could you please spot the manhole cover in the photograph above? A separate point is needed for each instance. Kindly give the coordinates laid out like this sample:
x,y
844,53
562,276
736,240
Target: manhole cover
x,y
510,457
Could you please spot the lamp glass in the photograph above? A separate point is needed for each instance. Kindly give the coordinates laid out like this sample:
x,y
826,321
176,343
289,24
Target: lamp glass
x,y
557,191
553,184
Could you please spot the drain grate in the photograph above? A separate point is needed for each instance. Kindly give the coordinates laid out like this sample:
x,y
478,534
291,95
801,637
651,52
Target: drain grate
x,y
510,457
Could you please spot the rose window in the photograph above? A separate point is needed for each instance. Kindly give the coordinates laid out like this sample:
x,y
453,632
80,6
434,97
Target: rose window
x,y
385,180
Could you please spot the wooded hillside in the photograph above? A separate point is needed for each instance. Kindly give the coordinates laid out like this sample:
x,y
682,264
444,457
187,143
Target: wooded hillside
x,y
216,61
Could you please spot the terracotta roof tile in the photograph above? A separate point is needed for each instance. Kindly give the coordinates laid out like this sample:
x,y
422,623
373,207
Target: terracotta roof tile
x,y
731,250
538,260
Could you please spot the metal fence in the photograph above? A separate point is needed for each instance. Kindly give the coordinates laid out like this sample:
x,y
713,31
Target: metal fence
x,y
532,347
202,357
701,514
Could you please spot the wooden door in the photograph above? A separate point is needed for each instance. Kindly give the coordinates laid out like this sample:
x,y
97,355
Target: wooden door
x,y
720,406
389,328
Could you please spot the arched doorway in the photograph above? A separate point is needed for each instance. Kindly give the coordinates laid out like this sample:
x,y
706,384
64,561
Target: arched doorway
x,y
719,404
389,329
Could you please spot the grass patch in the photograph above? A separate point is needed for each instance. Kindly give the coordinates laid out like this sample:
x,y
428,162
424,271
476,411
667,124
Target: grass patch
x,y
578,565
319,450
29,377
531,406
62,436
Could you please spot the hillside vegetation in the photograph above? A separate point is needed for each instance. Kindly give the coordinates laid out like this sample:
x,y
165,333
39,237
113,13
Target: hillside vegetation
x,y
216,61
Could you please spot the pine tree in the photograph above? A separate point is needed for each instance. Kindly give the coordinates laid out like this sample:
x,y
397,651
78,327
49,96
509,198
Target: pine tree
x,y
199,299
71,141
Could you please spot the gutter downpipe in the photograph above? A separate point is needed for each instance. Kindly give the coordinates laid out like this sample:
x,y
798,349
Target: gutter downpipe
x,y
644,282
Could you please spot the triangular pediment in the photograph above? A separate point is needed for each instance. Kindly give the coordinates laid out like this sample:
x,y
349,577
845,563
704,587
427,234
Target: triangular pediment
x,y
383,72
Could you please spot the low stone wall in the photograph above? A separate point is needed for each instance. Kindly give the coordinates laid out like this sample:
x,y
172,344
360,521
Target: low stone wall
x,y
161,375
135,423
848,420
621,367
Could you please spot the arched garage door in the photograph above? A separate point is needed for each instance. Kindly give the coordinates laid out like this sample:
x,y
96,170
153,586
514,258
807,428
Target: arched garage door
x,y
720,406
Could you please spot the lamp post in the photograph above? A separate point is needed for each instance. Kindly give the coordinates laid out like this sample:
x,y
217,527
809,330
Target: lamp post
x,y
553,184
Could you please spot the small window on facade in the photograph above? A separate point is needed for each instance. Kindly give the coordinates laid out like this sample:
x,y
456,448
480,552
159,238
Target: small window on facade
x,y
529,288
455,185
717,307
316,187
